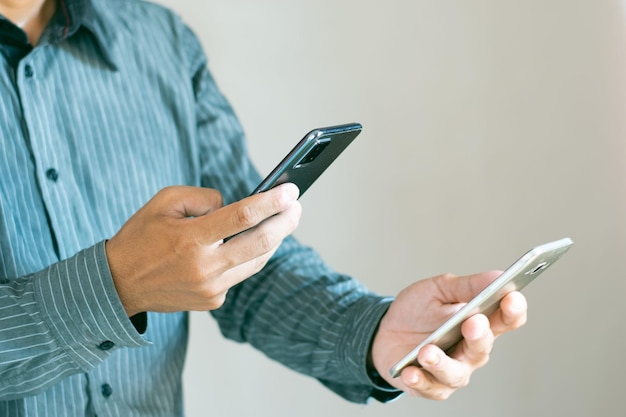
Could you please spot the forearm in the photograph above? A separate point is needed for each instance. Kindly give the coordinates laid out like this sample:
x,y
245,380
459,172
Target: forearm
x,y
62,320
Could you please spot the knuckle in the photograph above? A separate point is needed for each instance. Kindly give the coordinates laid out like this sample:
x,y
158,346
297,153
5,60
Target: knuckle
x,y
415,394
165,194
217,301
195,279
436,392
223,264
211,290
167,191
212,270
442,280
485,350
186,246
212,200
440,395
460,382
261,262
481,363
431,393
245,216
208,301
217,197
264,243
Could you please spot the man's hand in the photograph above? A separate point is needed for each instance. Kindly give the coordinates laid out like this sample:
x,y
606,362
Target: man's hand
x,y
170,255
418,311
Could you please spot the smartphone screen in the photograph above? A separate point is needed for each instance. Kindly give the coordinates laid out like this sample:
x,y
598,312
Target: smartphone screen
x,y
311,156
514,278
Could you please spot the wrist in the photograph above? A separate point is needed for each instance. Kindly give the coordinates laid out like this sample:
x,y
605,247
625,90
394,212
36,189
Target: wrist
x,y
116,270
375,376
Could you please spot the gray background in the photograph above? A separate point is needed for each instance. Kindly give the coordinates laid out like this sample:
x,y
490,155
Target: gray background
x,y
490,126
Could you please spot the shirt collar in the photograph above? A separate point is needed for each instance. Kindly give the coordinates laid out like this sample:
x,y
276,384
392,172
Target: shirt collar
x,y
70,18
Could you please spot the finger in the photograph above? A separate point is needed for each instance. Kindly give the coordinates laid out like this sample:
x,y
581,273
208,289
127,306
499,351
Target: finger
x,y
420,383
248,252
454,371
240,272
477,342
266,236
511,315
249,212
445,371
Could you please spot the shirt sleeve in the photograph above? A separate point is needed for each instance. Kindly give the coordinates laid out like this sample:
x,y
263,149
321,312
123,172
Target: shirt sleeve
x,y
60,321
297,311
301,313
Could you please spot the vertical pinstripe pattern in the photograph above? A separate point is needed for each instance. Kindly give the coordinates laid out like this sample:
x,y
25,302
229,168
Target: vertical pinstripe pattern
x,y
114,104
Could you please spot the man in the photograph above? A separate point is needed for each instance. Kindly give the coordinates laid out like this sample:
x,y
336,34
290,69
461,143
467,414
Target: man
x,y
123,169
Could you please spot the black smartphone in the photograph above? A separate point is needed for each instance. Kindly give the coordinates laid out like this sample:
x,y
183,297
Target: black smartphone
x,y
311,156
514,278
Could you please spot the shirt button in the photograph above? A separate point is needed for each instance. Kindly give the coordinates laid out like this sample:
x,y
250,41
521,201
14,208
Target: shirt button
x,y
107,390
28,71
52,174
106,345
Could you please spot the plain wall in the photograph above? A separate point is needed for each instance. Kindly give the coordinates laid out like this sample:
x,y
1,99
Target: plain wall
x,y
490,126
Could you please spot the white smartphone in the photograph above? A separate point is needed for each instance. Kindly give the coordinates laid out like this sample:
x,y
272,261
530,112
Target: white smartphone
x,y
514,278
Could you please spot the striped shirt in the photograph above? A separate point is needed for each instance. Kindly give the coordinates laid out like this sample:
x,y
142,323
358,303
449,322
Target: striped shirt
x,y
113,104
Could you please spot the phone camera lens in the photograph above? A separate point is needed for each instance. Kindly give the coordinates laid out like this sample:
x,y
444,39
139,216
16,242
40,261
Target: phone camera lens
x,y
538,268
313,153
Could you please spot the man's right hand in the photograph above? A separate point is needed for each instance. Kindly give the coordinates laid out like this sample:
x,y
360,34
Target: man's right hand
x,y
171,256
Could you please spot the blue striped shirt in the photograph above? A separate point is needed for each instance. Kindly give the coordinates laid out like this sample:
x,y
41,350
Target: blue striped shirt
x,y
113,104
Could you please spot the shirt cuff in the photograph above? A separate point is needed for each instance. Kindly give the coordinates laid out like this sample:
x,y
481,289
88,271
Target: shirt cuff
x,y
78,301
359,327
